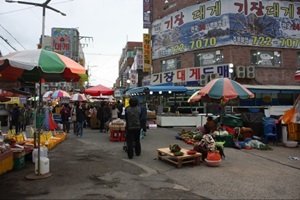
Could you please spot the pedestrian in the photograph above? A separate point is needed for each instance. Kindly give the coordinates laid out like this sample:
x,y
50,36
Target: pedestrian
x,y
73,117
133,127
114,112
22,120
65,113
120,108
106,116
143,119
15,117
100,115
80,119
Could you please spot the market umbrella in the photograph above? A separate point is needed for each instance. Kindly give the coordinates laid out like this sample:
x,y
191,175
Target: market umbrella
x,y
48,94
78,97
37,65
60,93
223,89
33,65
98,90
297,75
194,98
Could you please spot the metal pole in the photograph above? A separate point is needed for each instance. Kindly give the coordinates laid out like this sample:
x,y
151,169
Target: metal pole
x,y
43,27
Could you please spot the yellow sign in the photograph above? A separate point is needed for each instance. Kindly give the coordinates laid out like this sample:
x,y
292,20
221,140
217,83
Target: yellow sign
x,y
13,100
147,54
126,102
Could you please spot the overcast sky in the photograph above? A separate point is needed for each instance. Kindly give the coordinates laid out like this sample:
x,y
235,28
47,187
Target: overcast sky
x,y
111,23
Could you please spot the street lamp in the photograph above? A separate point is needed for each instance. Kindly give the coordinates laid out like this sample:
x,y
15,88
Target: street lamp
x,y
44,6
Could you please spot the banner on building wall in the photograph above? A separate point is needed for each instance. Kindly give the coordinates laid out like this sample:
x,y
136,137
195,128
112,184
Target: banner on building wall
x,y
147,55
147,13
133,78
187,75
65,41
220,22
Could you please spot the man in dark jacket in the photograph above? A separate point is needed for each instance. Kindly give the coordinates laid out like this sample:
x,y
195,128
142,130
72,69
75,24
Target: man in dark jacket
x,y
133,127
15,117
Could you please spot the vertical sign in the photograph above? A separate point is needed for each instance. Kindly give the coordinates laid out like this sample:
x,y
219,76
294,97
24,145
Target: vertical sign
x,y
147,13
147,52
62,41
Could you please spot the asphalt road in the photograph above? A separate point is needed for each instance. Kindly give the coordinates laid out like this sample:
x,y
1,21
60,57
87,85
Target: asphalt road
x,y
92,167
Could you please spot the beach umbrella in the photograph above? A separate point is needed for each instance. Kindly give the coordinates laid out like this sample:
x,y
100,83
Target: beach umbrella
x,y
194,98
78,97
60,93
98,90
48,94
34,65
222,89
40,65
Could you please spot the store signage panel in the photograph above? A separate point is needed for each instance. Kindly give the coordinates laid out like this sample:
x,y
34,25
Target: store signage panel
x,y
147,13
218,23
63,41
147,60
189,74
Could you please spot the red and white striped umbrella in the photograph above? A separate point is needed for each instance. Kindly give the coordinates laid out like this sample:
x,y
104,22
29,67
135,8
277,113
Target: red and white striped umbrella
x,y
60,93
48,94
78,97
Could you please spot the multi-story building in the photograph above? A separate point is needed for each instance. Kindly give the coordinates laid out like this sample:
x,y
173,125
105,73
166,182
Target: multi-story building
x,y
128,71
253,42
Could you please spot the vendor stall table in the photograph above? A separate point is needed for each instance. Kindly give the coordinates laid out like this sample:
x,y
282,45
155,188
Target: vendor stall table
x,y
166,154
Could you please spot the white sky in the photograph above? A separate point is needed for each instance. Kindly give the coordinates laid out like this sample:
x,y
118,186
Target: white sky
x,y
111,23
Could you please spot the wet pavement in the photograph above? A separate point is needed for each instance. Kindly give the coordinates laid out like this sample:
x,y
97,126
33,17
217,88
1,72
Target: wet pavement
x,y
92,167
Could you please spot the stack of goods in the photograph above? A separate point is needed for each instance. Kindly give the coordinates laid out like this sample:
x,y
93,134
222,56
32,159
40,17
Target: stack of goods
x,y
117,124
190,136
6,157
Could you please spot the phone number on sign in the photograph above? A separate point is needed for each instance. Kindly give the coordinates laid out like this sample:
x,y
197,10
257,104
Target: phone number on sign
x,y
268,41
194,44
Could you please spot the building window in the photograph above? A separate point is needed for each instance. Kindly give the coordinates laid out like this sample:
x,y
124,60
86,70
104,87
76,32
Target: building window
x,y
208,58
265,58
170,64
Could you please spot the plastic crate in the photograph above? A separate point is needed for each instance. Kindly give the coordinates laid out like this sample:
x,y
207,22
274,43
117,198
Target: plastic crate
x,y
19,162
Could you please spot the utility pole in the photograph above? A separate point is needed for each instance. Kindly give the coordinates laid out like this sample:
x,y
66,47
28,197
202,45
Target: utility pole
x,y
44,6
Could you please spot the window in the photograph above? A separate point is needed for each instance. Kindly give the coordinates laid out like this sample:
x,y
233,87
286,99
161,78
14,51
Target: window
x,y
170,64
265,58
208,58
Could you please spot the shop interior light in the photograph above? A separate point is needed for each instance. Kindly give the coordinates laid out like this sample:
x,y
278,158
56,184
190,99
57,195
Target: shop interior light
x,y
151,92
170,91
160,92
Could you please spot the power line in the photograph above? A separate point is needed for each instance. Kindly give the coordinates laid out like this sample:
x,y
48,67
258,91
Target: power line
x,y
5,40
13,37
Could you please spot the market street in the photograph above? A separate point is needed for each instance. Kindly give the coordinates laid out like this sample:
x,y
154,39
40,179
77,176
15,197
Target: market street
x,y
92,167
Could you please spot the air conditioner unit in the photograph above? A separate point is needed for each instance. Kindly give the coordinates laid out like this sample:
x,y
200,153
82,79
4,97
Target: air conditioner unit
x,y
250,72
240,72
203,79
213,76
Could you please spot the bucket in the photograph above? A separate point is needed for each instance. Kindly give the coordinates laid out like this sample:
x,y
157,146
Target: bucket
x,y
43,153
44,165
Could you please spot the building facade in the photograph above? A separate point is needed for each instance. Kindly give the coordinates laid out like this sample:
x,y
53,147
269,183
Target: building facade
x,y
255,43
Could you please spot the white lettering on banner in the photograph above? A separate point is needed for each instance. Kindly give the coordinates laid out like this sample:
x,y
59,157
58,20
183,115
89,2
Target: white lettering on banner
x,y
189,74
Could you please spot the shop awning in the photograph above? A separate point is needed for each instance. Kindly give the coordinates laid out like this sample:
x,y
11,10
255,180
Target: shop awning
x,y
157,90
273,88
